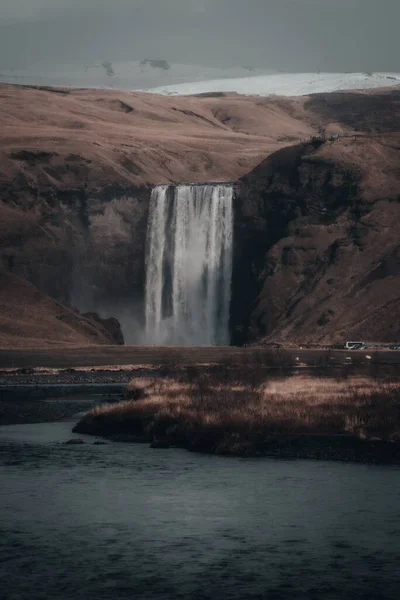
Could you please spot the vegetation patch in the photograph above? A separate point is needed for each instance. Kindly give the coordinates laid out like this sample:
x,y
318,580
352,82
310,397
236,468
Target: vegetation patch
x,y
240,413
32,156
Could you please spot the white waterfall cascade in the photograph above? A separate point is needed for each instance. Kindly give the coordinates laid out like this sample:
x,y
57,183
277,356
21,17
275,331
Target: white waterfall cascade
x,y
189,265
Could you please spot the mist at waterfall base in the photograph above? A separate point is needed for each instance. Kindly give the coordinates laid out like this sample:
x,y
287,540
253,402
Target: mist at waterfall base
x,y
189,265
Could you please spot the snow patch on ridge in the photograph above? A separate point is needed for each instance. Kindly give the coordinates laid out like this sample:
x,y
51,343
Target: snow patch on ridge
x,y
285,84
127,75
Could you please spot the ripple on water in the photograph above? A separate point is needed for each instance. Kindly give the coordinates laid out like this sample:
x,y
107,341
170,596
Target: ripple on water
x,y
122,521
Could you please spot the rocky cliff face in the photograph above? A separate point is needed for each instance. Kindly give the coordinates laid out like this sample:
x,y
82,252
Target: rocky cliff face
x,y
317,252
109,275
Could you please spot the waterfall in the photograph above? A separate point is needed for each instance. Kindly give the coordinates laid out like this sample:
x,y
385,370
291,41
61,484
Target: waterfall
x,y
189,265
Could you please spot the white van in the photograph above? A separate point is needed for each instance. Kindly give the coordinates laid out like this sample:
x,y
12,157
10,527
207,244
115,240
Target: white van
x,y
355,345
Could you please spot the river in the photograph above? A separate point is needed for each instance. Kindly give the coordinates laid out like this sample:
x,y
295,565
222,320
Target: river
x,y
121,521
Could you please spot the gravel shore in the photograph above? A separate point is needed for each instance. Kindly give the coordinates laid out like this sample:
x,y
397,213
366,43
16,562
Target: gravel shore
x,y
14,412
32,397
64,377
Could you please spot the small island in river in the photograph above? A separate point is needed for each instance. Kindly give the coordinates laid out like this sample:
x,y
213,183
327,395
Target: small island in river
x,y
253,411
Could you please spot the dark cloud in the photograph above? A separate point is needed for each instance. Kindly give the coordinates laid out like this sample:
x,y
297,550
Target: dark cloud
x,y
293,35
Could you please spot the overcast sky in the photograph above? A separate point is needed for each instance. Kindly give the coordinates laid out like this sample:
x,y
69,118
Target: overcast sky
x,y
292,35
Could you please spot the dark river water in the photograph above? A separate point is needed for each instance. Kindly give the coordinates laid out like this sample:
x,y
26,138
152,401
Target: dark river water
x,y
125,521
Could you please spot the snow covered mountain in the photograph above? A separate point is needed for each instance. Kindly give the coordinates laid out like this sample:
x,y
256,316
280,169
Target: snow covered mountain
x,y
285,84
165,78
133,75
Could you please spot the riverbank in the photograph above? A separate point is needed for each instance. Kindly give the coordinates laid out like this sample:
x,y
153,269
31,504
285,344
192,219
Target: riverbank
x,y
244,414
109,358
25,411
37,396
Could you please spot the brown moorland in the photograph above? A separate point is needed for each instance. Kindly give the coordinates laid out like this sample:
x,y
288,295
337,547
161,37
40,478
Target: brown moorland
x,y
53,139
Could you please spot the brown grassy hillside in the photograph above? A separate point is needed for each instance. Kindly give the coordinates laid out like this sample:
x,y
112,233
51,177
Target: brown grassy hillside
x,y
30,319
55,139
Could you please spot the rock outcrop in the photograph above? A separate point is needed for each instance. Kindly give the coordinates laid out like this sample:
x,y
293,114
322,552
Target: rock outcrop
x,y
111,325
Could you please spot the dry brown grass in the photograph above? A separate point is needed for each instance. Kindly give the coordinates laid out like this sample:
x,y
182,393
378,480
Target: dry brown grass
x,y
162,139
222,413
31,319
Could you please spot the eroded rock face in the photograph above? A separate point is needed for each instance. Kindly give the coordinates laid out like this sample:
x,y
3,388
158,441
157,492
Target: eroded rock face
x,y
317,256
110,276
82,248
